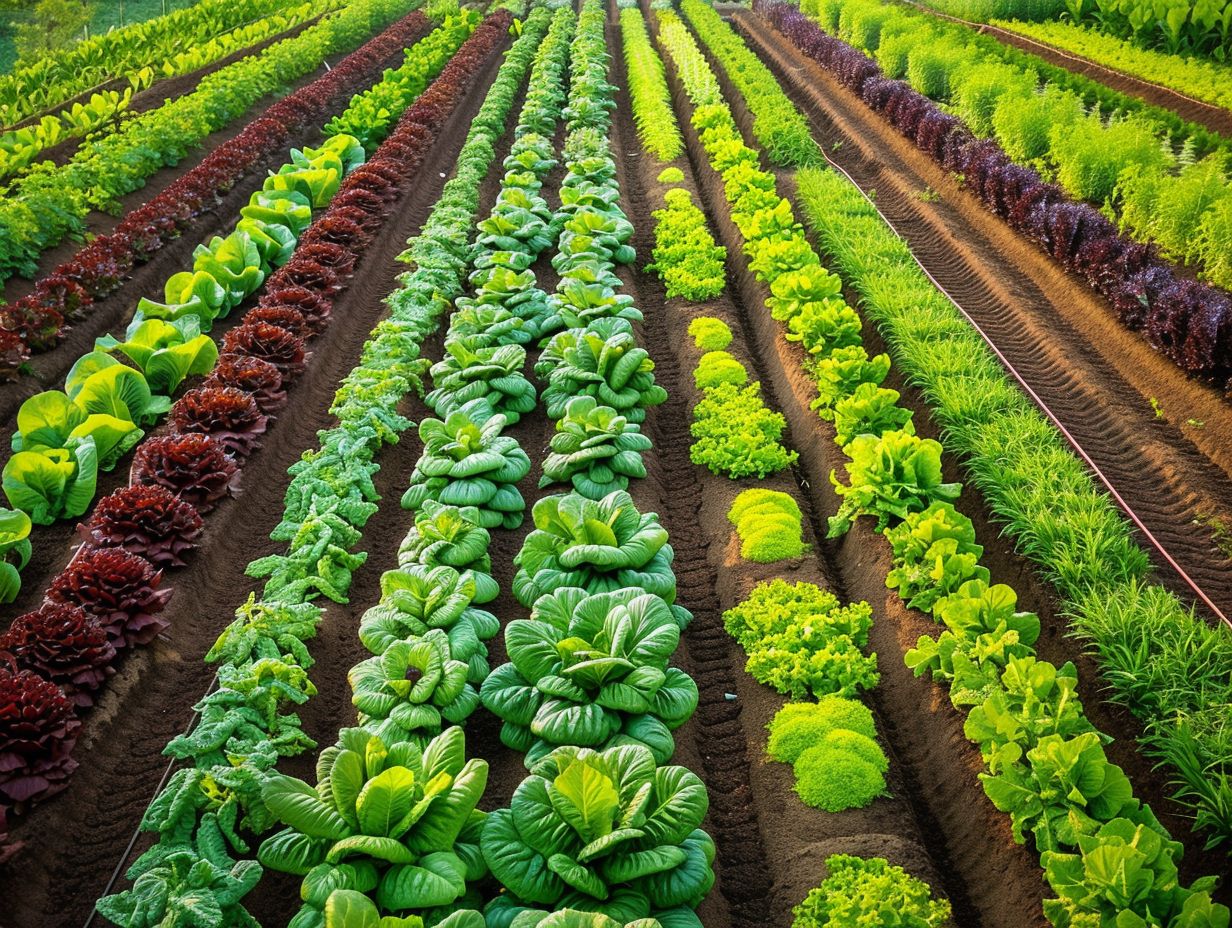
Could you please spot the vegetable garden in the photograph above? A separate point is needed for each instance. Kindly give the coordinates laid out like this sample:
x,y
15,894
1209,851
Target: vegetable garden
x,y
617,463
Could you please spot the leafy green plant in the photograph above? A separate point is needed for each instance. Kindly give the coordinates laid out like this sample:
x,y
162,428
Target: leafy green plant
x,y
594,449
709,333
15,552
935,553
587,825
467,461
799,726
395,819
891,476
600,546
451,536
591,671
469,373
57,483
685,254
51,420
166,352
719,367
841,372
802,642
869,410
613,369
861,891
837,767
769,525
736,435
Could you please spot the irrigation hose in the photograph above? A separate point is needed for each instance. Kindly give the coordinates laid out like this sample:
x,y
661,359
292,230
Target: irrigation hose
x,y
1039,401
132,841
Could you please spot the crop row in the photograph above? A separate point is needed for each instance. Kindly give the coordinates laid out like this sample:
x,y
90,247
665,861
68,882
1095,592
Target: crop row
x,y
36,322
110,589
160,43
1188,321
1175,199
249,722
51,202
1179,27
20,147
1021,711
64,438
1194,77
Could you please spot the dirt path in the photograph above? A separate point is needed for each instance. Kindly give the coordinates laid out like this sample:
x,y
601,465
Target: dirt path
x,y
74,841
1098,377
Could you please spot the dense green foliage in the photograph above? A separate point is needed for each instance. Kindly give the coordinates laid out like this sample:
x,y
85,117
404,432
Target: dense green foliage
x,y
832,747
769,525
685,254
802,642
652,103
1160,660
859,891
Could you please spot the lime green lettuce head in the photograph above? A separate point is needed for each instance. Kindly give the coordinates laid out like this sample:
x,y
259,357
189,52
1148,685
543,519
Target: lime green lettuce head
x,y
14,551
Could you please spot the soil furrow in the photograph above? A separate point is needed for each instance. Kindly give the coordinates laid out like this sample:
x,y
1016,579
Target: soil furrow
x,y
51,881
1097,377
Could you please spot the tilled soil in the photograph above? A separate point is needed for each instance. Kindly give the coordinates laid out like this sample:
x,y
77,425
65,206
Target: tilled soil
x,y
75,840
1097,377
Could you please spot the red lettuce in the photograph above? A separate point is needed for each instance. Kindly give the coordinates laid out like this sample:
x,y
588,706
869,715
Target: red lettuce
x,y
228,414
252,375
38,729
120,588
149,521
62,643
196,468
283,349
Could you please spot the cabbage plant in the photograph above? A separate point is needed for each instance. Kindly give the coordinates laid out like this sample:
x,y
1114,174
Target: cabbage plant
x,y
396,820
451,536
416,599
614,370
597,545
591,670
166,352
467,461
468,373
589,827
595,449
412,688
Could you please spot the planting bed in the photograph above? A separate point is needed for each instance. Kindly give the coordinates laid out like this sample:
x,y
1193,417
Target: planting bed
x,y
576,667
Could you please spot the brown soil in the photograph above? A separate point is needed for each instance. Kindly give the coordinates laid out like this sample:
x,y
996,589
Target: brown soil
x,y
74,841
1005,565
1213,117
1096,376
155,95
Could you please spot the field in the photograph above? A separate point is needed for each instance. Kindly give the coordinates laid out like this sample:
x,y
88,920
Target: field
x,y
615,463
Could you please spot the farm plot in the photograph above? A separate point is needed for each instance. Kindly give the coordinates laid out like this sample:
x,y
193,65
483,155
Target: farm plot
x,y
593,516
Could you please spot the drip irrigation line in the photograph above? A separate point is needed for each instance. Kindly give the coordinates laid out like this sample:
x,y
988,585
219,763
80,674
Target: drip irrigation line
x,y
162,782
1044,408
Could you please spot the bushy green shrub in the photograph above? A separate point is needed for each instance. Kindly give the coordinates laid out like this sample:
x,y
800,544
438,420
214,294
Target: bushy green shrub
x,y
800,725
862,892
977,89
709,333
769,525
671,176
802,641
686,257
1090,156
931,67
831,779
